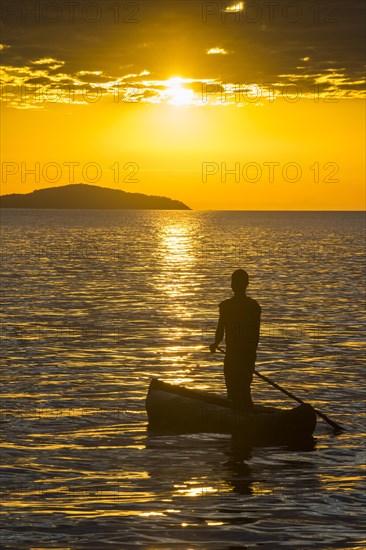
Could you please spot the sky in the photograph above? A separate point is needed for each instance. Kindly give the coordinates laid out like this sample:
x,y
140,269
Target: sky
x,y
223,105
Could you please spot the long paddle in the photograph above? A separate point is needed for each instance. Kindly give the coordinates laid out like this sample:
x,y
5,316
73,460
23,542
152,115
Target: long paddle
x,y
334,425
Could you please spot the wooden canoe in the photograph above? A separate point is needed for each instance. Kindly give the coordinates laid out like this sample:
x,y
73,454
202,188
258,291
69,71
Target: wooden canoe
x,y
180,409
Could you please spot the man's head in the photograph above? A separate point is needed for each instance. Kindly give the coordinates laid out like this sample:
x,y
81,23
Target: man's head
x,y
239,280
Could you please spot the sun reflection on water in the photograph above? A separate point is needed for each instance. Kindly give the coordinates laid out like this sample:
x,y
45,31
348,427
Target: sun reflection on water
x,y
177,242
174,287
177,255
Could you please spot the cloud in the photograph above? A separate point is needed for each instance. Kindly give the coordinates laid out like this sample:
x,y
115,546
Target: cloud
x,y
217,51
47,61
260,43
135,75
239,6
38,84
126,62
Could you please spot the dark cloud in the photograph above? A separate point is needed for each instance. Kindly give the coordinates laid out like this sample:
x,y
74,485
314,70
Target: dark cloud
x,y
265,40
41,80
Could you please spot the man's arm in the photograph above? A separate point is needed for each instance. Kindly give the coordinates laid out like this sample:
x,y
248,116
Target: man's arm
x,y
218,335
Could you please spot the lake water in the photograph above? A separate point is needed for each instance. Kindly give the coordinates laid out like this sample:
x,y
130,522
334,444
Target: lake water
x,y
98,302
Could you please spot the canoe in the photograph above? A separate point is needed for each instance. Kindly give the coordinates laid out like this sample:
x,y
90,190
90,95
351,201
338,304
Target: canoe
x,y
181,409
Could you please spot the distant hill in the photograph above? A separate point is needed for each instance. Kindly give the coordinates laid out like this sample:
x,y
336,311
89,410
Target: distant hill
x,y
81,195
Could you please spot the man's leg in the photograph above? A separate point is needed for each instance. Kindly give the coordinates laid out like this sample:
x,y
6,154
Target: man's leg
x,y
245,384
238,380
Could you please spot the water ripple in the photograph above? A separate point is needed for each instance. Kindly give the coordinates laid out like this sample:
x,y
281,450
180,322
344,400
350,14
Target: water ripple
x,y
96,303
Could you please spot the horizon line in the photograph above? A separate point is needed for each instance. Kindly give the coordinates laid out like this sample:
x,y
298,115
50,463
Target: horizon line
x,y
179,210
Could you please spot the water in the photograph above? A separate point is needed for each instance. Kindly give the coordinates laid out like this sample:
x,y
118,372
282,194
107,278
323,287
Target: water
x,y
97,302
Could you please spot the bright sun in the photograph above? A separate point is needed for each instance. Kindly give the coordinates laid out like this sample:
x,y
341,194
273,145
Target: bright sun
x,y
176,93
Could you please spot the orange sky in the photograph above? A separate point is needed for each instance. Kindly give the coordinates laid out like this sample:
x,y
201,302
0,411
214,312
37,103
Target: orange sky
x,y
299,156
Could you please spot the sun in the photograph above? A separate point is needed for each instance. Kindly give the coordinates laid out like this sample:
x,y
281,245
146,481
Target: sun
x,y
176,93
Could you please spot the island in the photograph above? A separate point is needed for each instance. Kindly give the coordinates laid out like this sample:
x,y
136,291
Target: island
x,y
85,196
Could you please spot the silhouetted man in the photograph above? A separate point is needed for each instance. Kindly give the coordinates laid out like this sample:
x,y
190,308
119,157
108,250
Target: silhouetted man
x,y
240,322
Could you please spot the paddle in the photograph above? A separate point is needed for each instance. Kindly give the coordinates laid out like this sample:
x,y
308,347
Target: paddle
x,y
334,425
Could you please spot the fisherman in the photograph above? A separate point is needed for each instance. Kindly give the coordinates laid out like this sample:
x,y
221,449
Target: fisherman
x,y
239,321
